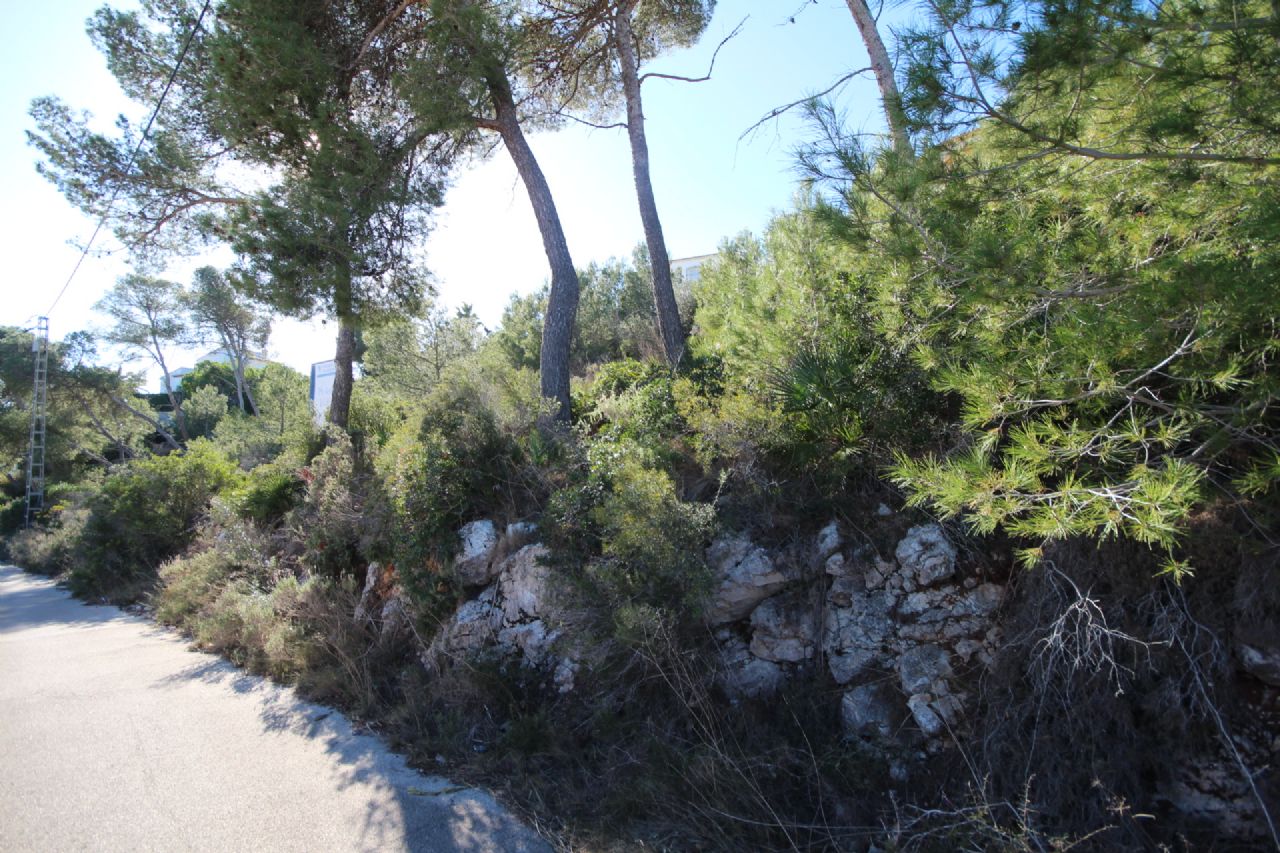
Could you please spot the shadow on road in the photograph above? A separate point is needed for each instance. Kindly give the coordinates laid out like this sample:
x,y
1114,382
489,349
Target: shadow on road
x,y
421,804
404,809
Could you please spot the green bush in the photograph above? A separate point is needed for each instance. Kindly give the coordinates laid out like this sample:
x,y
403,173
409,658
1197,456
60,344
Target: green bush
x,y
189,584
330,521
52,550
269,493
635,399
13,513
204,408
228,547
475,452
259,630
144,514
626,537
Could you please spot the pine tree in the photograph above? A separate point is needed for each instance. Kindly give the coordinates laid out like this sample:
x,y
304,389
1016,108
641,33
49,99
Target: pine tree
x,y
1086,257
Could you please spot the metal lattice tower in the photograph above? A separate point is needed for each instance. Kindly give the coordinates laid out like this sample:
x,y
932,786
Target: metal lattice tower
x,y
39,403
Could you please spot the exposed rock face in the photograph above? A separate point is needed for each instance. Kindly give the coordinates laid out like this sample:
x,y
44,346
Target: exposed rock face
x,y
910,617
742,674
746,577
919,668
474,565
929,721
1262,662
365,605
523,584
531,639
925,556
872,711
784,629
829,541
512,617
474,625
858,630
396,620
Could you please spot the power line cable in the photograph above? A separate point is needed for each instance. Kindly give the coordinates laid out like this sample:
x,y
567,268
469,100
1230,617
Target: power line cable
x,y
146,131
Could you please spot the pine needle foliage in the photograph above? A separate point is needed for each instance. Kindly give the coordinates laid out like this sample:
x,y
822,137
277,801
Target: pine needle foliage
x,y
1090,267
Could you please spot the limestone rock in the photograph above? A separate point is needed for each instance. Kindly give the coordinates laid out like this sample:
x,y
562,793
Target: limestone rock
x,y
742,674
474,625
746,577
523,584
871,710
565,675
364,607
929,605
531,640
829,540
1261,662
856,634
925,555
783,629
982,600
925,716
844,588
474,565
920,667
520,533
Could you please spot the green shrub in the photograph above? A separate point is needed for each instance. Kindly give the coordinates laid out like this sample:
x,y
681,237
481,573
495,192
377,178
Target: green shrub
x,y
52,550
624,534
203,409
474,453
269,493
189,584
330,522
227,548
635,399
144,514
13,513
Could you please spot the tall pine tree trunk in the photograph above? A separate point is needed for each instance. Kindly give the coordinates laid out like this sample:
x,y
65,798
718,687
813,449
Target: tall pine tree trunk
x,y
344,373
664,296
344,355
562,304
179,417
883,69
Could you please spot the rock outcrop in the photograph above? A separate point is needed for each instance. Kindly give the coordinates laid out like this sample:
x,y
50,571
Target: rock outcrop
x,y
746,576
478,542
894,632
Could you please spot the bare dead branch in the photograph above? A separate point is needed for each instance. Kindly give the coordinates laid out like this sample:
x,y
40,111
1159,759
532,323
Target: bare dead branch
x,y
710,68
778,111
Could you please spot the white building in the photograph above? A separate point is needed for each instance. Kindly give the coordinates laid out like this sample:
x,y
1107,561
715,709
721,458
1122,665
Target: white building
x,y
322,373
217,356
691,267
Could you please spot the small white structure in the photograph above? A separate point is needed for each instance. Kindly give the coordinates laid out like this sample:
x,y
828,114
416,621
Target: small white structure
x,y
690,268
322,374
217,356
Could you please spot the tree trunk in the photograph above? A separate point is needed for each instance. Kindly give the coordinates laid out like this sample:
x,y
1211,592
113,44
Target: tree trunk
x,y
664,296
883,69
242,386
562,304
178,417
155,424
344,373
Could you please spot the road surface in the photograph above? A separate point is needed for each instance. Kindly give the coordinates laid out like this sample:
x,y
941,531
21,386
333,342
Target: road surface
x,y
114,736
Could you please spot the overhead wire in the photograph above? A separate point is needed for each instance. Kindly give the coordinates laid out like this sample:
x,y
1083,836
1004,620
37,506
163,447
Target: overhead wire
x,y
133,157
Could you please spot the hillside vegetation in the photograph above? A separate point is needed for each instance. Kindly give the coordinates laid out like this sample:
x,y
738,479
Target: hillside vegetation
x,y
1049,326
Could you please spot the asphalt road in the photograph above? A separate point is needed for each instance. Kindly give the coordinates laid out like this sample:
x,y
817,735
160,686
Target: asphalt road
x,y
114,736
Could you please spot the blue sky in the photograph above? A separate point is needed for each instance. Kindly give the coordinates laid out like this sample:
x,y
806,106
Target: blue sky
x,y
709,184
